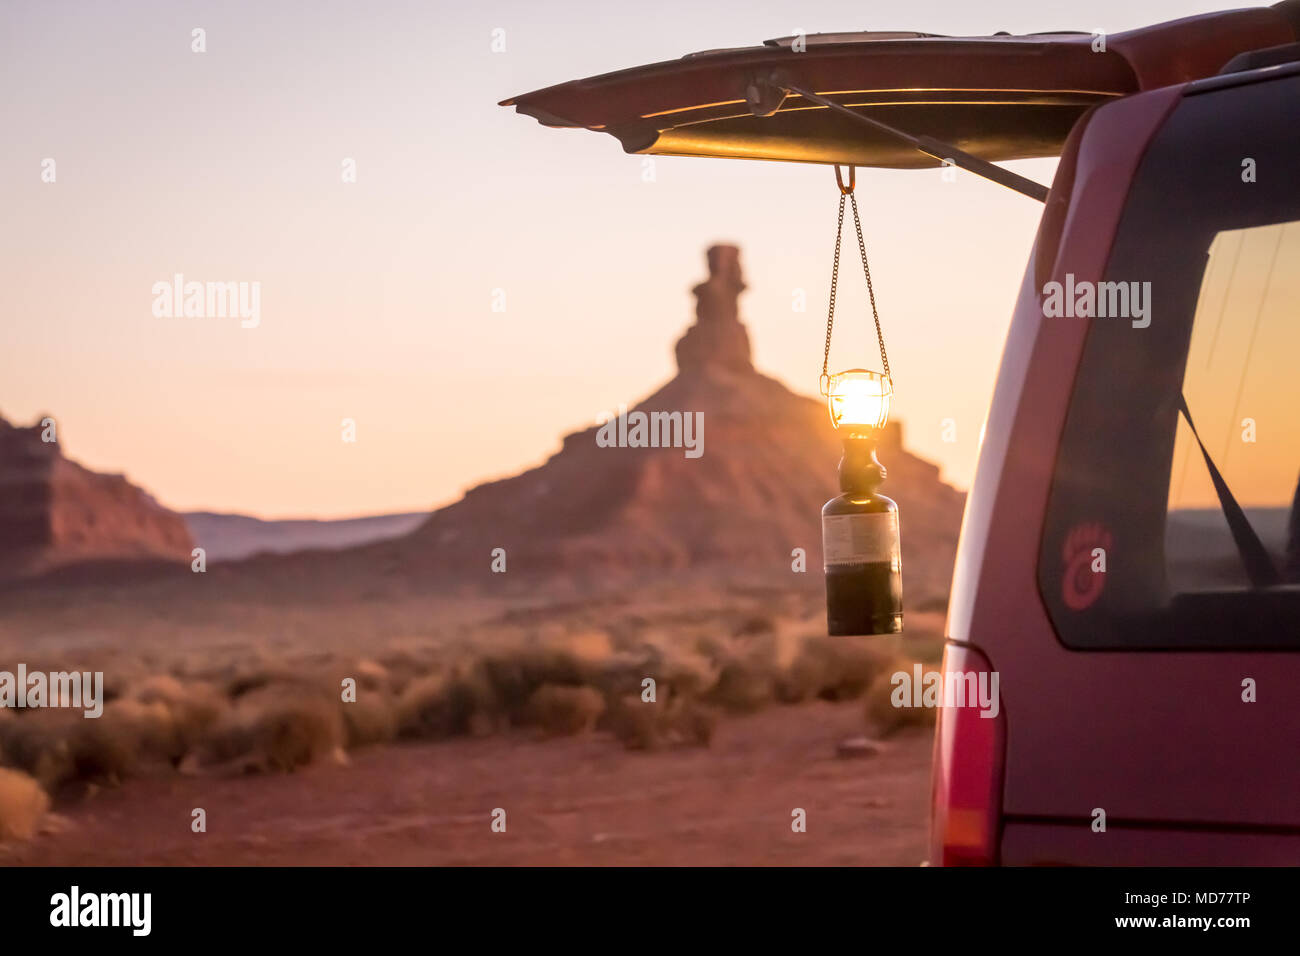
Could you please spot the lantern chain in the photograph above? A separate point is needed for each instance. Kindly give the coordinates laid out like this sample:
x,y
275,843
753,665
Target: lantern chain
x,y
847,191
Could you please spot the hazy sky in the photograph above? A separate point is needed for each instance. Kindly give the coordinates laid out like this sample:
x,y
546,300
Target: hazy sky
x,y
376,296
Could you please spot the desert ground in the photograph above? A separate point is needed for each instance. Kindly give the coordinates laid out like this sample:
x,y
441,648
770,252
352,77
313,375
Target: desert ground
x,y
577,800
533,706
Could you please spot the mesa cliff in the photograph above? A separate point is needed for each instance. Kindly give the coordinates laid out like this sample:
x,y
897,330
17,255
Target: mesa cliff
x,y
753,495
54,512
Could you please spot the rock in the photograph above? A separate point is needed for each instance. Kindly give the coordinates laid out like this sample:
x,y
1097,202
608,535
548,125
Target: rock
x,y
857,747
189,765
768,464
55,823
54,512
718,337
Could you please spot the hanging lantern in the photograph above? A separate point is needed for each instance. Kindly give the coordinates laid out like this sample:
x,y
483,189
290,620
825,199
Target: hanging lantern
x,y
860,542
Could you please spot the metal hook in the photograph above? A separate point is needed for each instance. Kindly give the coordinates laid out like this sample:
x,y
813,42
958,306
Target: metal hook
x,y
853,180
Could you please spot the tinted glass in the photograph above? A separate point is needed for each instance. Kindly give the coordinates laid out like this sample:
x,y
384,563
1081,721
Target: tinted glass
x,y
1208,247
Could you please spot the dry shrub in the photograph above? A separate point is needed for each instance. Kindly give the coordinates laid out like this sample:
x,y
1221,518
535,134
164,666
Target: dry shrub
x,y
58,746
279,727
680,672
108,749
116,680
622,674
105,749
635,723
803,680
691,724
405,667
39,742
158,687
744,685
562,711
371,675
881,711
642,725
254,678
756,624
854,664
710,646
149,724
452,705
370,719
22,805
516,674
191,710
295,734
831,668
586,646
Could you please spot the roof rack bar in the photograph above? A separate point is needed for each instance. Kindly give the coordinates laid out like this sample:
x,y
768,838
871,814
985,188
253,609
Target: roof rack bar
x,y
944,152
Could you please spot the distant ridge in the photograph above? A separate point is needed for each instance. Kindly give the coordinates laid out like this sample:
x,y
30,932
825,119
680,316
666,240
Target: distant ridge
x,y
231,537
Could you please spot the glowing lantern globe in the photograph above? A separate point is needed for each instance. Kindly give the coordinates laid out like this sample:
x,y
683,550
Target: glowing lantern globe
x,y
858,401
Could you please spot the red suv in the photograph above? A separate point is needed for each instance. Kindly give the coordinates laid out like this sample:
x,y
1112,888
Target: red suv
x,y
1134,581
1139,592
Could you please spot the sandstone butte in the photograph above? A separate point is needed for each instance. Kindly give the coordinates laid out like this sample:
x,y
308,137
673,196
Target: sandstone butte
x,y
755,495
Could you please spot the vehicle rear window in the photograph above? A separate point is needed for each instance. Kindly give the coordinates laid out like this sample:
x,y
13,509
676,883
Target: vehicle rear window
x,y
1136,551
1242,388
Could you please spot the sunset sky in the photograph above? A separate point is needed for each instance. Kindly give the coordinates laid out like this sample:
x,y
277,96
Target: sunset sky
x,y
376,296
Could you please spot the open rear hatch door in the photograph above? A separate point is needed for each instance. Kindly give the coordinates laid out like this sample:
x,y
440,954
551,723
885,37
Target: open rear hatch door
x,y
998,98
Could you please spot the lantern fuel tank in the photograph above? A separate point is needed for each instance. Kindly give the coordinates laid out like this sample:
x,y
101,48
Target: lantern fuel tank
x,y
860,549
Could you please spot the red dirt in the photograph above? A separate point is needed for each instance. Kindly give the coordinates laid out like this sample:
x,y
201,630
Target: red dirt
x,y
580,800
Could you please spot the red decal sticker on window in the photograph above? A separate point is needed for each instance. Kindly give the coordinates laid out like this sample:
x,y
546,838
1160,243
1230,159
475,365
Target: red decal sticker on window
x,y
1084,553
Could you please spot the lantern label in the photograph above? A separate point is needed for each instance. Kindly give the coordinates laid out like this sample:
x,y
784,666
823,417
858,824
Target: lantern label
x,y
859,539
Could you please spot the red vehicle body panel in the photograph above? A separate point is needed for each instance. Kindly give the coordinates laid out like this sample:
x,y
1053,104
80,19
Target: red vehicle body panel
x,y
1000,97
1153,738
1044,844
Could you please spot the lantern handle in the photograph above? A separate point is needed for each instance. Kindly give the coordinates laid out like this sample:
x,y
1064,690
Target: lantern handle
x,y
853,180
847,192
